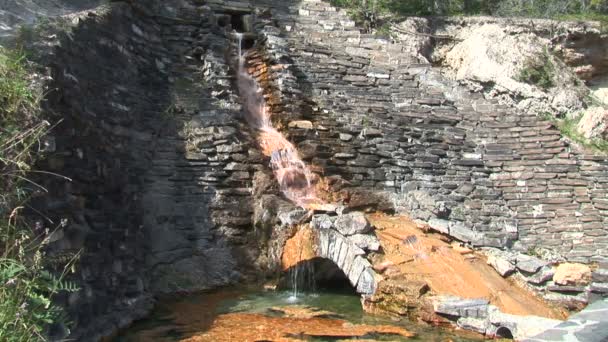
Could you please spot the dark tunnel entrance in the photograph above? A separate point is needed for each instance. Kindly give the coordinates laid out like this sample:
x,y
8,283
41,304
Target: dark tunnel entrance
x,y
318,274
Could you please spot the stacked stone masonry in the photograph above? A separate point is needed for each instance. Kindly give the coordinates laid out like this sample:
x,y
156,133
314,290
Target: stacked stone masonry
x,y
164,170
381,120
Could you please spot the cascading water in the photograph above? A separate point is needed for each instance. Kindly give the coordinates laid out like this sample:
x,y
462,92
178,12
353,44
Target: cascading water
x,y
293,175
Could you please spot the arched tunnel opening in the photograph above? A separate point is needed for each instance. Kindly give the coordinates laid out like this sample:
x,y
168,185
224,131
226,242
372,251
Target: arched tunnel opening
x,y
504,332
317,274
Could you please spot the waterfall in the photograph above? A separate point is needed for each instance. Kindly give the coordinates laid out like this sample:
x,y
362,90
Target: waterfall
x,y
293,175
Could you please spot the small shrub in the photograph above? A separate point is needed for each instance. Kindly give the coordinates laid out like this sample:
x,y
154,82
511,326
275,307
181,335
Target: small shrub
x,y
568,128
539,72
27,283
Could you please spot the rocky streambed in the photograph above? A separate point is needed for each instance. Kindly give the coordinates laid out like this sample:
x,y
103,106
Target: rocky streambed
x,y
258,315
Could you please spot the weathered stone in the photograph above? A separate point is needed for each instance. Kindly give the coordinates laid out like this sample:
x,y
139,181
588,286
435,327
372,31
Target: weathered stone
x,y
572,274
529,264
542,276
473,324
352,223
519,326
501,265
454,306
459,231
367,282
346,137
293,217
303,124
594,123
566,288
357,268
600,275
322,221
365,241
442,226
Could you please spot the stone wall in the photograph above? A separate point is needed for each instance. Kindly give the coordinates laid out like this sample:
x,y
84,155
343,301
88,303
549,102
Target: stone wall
x,y
158,164
480,171
165,176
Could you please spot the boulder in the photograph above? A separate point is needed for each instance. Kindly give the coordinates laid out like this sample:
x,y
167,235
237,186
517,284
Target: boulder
x,y
366,200
352,223
594,123
491,57
572,274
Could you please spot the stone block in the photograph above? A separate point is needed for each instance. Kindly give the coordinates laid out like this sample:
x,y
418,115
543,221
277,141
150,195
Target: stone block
x,y
352,223
293,217
601,288
367,282
365,241
542,276
501,265
358,266
322,221
529,264
600,275
459,231
455,306
473,324
442,226
566,289
572,274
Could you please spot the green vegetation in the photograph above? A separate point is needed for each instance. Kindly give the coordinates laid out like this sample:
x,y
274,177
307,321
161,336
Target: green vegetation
x,y
567,127
539,71
372,13
28,279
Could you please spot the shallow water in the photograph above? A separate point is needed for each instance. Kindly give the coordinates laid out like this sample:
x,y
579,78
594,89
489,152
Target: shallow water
x,y
179,318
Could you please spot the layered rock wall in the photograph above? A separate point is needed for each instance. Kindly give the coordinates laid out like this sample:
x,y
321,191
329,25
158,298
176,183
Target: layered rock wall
x,y
165,176
158,164
480,171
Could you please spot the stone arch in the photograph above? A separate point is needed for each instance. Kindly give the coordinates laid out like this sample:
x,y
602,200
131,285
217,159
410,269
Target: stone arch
x,y
309,243
504,332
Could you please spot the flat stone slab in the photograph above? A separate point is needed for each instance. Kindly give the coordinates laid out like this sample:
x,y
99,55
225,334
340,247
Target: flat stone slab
x,y
589,325
454,306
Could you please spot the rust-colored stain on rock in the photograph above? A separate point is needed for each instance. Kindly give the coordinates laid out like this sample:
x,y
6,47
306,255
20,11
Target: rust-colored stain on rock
x,y
298,248
413,255
246,327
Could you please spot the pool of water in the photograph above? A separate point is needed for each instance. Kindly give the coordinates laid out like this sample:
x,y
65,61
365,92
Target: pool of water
x,y
179,318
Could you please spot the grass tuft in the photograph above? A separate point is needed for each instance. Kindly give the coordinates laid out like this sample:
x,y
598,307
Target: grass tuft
x,y
27,282
539,71
568,128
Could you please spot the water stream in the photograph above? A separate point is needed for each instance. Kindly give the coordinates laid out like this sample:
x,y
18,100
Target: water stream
x,y
293,175
202,315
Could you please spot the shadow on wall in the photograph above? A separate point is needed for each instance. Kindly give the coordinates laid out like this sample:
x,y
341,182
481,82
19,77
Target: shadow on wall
x,y
160,165
108,95
15,13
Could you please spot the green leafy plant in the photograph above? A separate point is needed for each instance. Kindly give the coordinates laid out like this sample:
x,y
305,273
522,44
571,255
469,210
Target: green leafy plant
x,y
373,13
568,128
539,71
27,282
